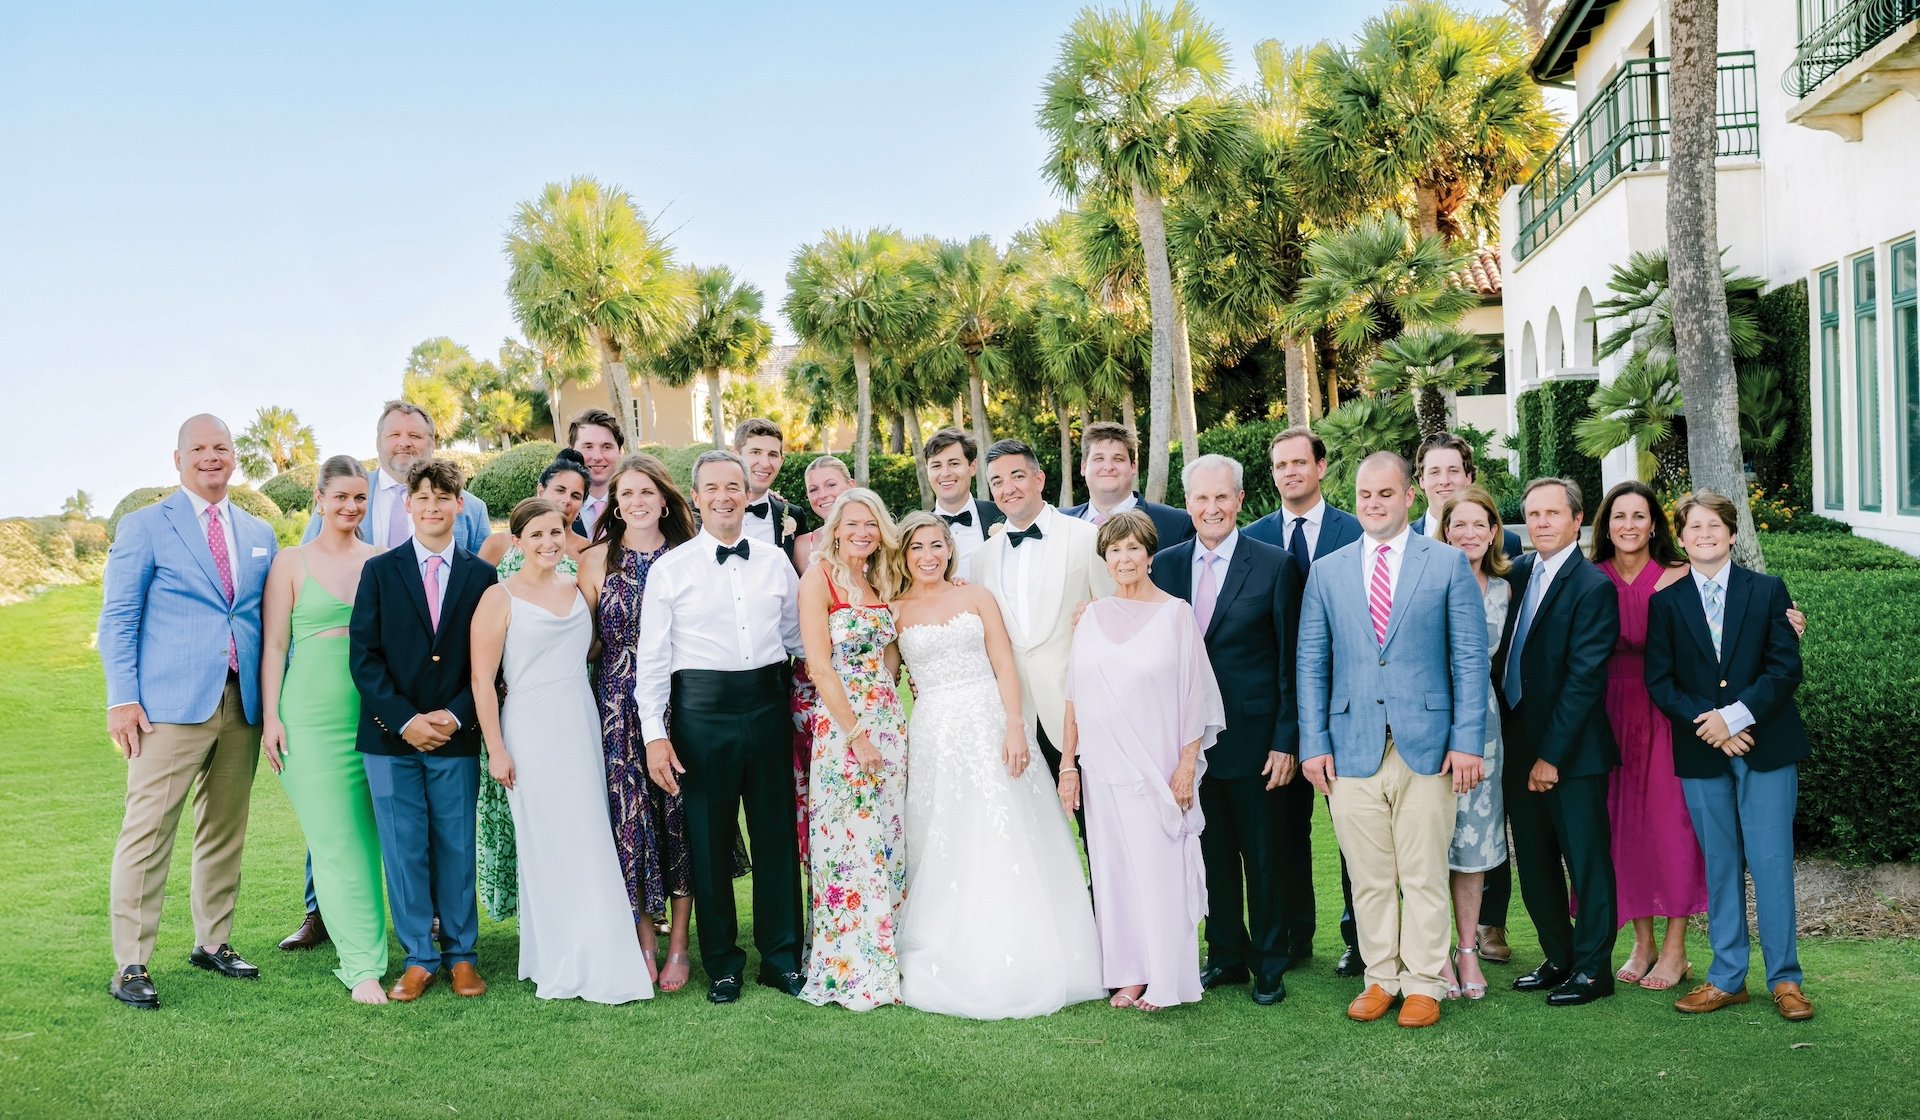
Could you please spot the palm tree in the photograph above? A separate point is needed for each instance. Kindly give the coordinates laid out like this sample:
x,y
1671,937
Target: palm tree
x,y
1433,104
275,441
550,370
727,332
1134,105
846,292
1429,364
1643,403
970,293
1362,426
502,414
589,273
1643,306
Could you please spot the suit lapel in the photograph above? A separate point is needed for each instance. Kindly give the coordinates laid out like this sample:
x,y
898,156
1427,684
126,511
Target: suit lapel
x,y
192,534
407,567
993,554
1695,614
1411,568
1560,581
457,580
1236,578
1739,591
1049,581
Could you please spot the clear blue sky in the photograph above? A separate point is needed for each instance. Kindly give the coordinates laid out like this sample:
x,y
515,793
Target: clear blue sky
x,y
220,206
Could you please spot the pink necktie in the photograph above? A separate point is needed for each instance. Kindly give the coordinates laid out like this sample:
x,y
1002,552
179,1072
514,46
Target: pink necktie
x,y
1204,594
590,518
1099,518
433,590
222,563
1380,595
398,527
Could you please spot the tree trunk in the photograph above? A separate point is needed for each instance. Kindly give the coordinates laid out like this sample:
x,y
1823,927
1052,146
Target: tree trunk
x,y
613,371
919,460
1185,421
977,401
1150,213
1430,411
1426,205
1128,412
716,416
863,411
648,422
897,434
1066,446
1701,347
960,413
1299,404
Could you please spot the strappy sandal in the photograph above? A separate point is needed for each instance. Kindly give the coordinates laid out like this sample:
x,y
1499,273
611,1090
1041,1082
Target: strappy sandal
x,y
673,959
1470,990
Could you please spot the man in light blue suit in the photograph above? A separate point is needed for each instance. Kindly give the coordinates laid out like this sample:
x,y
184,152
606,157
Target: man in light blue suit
x,y
180,642
404,436
1393,680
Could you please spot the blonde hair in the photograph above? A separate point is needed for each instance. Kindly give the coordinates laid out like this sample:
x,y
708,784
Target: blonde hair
x,y
883,569
1495,562
911,524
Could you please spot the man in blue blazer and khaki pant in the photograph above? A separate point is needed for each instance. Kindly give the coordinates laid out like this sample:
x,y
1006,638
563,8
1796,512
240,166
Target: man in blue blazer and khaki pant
x,y
1393,680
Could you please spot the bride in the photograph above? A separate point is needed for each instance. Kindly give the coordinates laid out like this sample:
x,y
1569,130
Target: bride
x,y
996,922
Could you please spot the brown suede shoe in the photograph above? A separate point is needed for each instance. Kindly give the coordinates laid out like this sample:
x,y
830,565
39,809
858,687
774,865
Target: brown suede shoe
x,y
1493,944
1706,998
1792,1002
1419,1011
1374,1003
412,984
466,981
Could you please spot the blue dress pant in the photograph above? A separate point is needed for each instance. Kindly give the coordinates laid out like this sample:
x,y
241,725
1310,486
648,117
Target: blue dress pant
x,y
1744,822
425,806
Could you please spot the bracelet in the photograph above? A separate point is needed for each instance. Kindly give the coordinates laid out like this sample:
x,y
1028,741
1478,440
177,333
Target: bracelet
x,y
1064,770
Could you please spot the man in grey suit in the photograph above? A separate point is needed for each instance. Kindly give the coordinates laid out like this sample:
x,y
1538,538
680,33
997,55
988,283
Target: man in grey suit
x,y
1393,679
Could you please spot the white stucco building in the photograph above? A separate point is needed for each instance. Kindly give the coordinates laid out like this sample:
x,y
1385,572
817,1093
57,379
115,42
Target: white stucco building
x,y
1819,180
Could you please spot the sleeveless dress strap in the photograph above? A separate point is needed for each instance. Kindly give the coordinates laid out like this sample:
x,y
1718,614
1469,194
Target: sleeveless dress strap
x,y
837,602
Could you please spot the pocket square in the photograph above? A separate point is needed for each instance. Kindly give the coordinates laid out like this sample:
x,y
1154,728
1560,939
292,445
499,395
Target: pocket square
x,y
258,551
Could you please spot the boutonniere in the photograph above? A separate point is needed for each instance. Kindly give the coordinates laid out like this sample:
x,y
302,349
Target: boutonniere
x,y
998,528
788,527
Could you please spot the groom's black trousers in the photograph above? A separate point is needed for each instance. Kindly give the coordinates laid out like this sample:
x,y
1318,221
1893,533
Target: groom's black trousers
x,y
734,734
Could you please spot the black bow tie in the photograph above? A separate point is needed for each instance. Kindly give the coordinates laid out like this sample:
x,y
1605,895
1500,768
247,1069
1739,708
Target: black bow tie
x,y
1030,533
760,509
964,517
721,552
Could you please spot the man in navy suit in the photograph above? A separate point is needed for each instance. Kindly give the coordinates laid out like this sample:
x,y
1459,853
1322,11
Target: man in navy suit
x,y
1109,462
419,737
1444,469
1307,528
1723,663
1245,595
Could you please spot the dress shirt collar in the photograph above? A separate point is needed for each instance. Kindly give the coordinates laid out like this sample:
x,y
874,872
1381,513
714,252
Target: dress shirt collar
x,y
968,506
1547,567
1043,519
1224,552
389,483
420,552
1314,516
1121,506
1719,578
201,505
709,542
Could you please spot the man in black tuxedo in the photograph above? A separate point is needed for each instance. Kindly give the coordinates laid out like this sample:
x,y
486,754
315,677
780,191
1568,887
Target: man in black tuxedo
x,y
952,464
1307,528
769,517
1552,675
418,733
1444,469
1109,463
1246,597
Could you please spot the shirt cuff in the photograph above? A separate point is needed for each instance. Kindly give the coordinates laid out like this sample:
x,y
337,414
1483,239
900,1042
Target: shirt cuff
x,y
1737,716
653,727
128,704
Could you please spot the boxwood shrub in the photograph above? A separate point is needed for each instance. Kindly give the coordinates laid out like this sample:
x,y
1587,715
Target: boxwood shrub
x,y
246,497
512,476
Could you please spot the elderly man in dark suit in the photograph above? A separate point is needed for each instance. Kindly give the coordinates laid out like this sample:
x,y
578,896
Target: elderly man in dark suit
x,y
1245,596
1110,465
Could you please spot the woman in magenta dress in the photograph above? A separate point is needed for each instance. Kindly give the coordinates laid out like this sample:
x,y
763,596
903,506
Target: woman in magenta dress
x,y
1657,864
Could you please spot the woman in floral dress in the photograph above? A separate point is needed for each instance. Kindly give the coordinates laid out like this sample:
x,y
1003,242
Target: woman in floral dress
x,y
648,516
857,780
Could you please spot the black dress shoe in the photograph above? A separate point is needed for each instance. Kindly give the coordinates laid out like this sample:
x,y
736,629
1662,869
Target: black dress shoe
x,y
1221,975
724,990
1350,963
311,934
1266,993
1581,989
791,983
133,987
224,961
1543,979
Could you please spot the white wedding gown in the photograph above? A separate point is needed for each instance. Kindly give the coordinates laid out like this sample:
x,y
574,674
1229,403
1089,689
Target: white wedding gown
x,y
997,923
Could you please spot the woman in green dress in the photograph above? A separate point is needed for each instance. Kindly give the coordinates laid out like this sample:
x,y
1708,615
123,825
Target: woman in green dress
x,y
564,483
311,719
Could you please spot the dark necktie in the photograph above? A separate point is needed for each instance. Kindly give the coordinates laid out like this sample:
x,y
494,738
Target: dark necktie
x,y
964,517
760,510
1030,533
1297,546
721,552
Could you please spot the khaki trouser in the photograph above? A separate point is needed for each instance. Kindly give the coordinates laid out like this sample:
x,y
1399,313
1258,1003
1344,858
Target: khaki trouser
x,y
216,760
1394,827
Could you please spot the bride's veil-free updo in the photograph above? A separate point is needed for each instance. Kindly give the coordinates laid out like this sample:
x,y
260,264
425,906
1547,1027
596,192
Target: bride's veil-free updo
x,y
883,569
911,524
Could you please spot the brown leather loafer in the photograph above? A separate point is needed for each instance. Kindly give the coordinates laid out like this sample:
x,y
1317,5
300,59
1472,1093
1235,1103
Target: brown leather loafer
x,y
1419,1011
466,981
311,935
1706,998
1374,1003
412,984
1493,944
1792,1002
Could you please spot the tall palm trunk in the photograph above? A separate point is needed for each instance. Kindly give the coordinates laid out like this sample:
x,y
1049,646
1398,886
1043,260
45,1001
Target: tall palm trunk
x,y
960,413
1150,212
1430,410
863,411
977,401
1128,413
613,371
1299,378
1066,446
1426,205
897,434
914,444
648,421
1185,422
1701,346
716,415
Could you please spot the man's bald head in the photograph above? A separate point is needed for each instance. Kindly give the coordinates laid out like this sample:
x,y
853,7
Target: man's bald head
x,y
203,454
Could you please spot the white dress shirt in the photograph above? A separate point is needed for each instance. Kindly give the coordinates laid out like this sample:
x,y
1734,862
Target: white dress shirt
x,y
1315,518
420,555
760,528
699,614
1022,567
386,491
1396,554
1736,714
1092,515
1224,552
966,538
200,508
591,511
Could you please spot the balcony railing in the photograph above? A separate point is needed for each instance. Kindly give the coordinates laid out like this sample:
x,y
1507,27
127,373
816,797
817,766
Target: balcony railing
x,y
1625,129
1835,32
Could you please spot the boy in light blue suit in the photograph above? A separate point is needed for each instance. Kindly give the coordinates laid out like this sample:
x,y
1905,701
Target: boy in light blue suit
x,y
1393,679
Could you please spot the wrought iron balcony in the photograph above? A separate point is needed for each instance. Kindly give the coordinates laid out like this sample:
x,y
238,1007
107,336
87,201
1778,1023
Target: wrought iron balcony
x,y
1625,129
1835,32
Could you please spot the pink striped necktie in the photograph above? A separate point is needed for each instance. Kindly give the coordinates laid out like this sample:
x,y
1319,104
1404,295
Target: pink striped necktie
x,y
1380,595
223,563
433,590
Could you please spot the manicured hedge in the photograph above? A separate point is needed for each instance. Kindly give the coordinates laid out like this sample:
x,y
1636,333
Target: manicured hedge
x,y
246,497
1783,316
292,489
1547,413
893,478
512,476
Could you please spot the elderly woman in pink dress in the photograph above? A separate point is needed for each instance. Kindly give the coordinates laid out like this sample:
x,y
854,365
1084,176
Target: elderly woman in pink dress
x,y
1142,709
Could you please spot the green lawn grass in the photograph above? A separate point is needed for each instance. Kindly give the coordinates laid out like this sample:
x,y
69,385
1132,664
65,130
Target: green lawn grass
x,y
292,1044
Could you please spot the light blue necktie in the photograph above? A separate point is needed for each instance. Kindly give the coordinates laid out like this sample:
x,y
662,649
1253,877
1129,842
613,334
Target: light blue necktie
x,y
1716,613
1511,682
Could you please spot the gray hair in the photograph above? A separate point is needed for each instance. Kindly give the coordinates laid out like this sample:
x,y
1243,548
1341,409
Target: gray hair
x,y
406,408
1206,461
1570,486
709,457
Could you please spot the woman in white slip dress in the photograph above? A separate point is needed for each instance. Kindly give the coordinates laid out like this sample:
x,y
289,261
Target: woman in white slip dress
x,y
577,939
997,923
